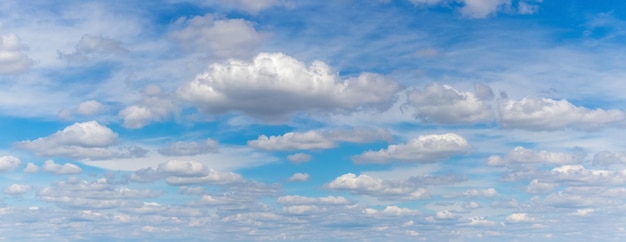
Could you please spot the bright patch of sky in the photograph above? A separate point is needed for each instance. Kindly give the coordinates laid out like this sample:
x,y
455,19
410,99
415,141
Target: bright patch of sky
x,y
303,120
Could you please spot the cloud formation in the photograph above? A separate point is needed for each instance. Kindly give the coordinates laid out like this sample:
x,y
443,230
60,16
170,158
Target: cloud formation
x,y
274,85
87,140
423,149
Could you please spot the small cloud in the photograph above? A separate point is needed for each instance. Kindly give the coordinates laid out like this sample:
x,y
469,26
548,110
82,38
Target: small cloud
x,y
298,177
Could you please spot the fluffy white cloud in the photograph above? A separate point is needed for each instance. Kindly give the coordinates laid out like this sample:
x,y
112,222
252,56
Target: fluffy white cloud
x,y
317,139
181,148
16,189
275,85
9,163
293,141
549,114
520,155
55,168
90,107
444,104
90,47
154,106
31,168
382,189
298,177
298,158
425,148
222,38
12,56
88,140
579,175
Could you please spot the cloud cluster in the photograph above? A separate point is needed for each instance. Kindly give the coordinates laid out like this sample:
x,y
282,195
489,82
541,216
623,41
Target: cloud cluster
x,y
379,188
424,149
87,140
318,139
274,85
549,114
444,104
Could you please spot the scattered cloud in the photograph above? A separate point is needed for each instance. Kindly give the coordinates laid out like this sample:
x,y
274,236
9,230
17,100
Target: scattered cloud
x,y
444,104
379,188
549,114
9,163
87,140
318,139
67,168
424,149
298,177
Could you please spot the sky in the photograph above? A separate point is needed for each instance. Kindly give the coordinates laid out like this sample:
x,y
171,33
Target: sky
x,y
306,120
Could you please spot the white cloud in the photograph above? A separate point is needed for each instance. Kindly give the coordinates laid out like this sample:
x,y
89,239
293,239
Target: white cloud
x,y
578,174
12,56
16,189
382,189
293,141
275,85
444,104
537,187
91,47
89,108
67,168
87,140
31,168
181,148
182,168
318,139
520,155
298,158
154,106
9,163
446,214
520,217
425,148
490,192
549,114
298,177
222,38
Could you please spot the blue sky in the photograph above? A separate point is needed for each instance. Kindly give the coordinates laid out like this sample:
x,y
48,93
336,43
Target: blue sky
x,y
244,120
